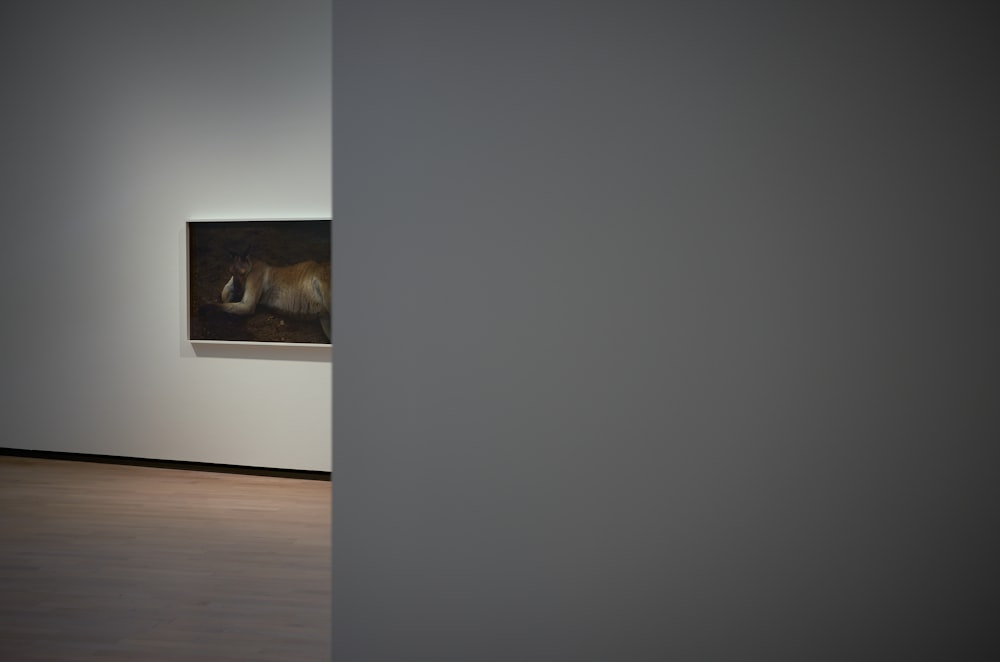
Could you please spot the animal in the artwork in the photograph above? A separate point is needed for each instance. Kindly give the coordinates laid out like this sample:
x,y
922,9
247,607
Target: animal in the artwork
x,y
300,290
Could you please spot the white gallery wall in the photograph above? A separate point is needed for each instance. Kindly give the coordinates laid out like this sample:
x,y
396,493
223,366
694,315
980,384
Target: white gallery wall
x,y
123,120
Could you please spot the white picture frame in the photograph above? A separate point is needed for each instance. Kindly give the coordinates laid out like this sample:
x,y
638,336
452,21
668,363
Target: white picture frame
x,y
258,281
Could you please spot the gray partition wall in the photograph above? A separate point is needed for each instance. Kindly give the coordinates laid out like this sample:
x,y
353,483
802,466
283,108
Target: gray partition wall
x,y
664,331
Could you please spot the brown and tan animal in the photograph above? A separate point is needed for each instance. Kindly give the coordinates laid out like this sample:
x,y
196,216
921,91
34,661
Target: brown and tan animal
x,y
299,290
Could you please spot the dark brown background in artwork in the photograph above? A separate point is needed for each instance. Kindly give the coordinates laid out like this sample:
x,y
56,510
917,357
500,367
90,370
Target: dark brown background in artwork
x,y
275,242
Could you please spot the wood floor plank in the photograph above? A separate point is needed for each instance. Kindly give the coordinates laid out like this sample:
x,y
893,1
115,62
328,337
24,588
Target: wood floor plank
x,y
117,562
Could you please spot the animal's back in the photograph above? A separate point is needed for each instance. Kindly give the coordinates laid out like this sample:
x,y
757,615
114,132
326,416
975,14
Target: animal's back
x,y
301,289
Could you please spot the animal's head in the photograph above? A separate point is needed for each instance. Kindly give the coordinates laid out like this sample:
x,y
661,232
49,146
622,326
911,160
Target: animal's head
x,y
241,264
239,269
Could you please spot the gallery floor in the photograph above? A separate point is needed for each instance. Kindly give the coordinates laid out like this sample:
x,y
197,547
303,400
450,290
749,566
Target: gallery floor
x,y
113,562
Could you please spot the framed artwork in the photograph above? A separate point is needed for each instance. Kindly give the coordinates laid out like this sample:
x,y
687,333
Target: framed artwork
x,y
259,281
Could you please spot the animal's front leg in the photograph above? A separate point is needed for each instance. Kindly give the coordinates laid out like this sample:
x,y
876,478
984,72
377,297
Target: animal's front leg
x,y
229,291
246,306
248,302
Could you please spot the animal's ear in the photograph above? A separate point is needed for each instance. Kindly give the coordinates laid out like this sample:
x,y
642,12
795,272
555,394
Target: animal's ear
x,y
240,251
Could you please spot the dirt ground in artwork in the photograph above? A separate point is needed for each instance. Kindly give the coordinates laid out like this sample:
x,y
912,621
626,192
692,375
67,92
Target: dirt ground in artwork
x,y
278,243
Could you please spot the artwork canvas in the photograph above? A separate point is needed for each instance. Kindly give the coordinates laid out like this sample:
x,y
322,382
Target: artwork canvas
x,y
259,281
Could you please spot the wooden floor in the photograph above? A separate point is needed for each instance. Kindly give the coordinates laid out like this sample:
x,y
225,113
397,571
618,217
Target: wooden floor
x,y
112,562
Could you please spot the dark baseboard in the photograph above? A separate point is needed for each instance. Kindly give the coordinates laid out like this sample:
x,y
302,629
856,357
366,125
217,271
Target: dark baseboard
x,y
169,464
